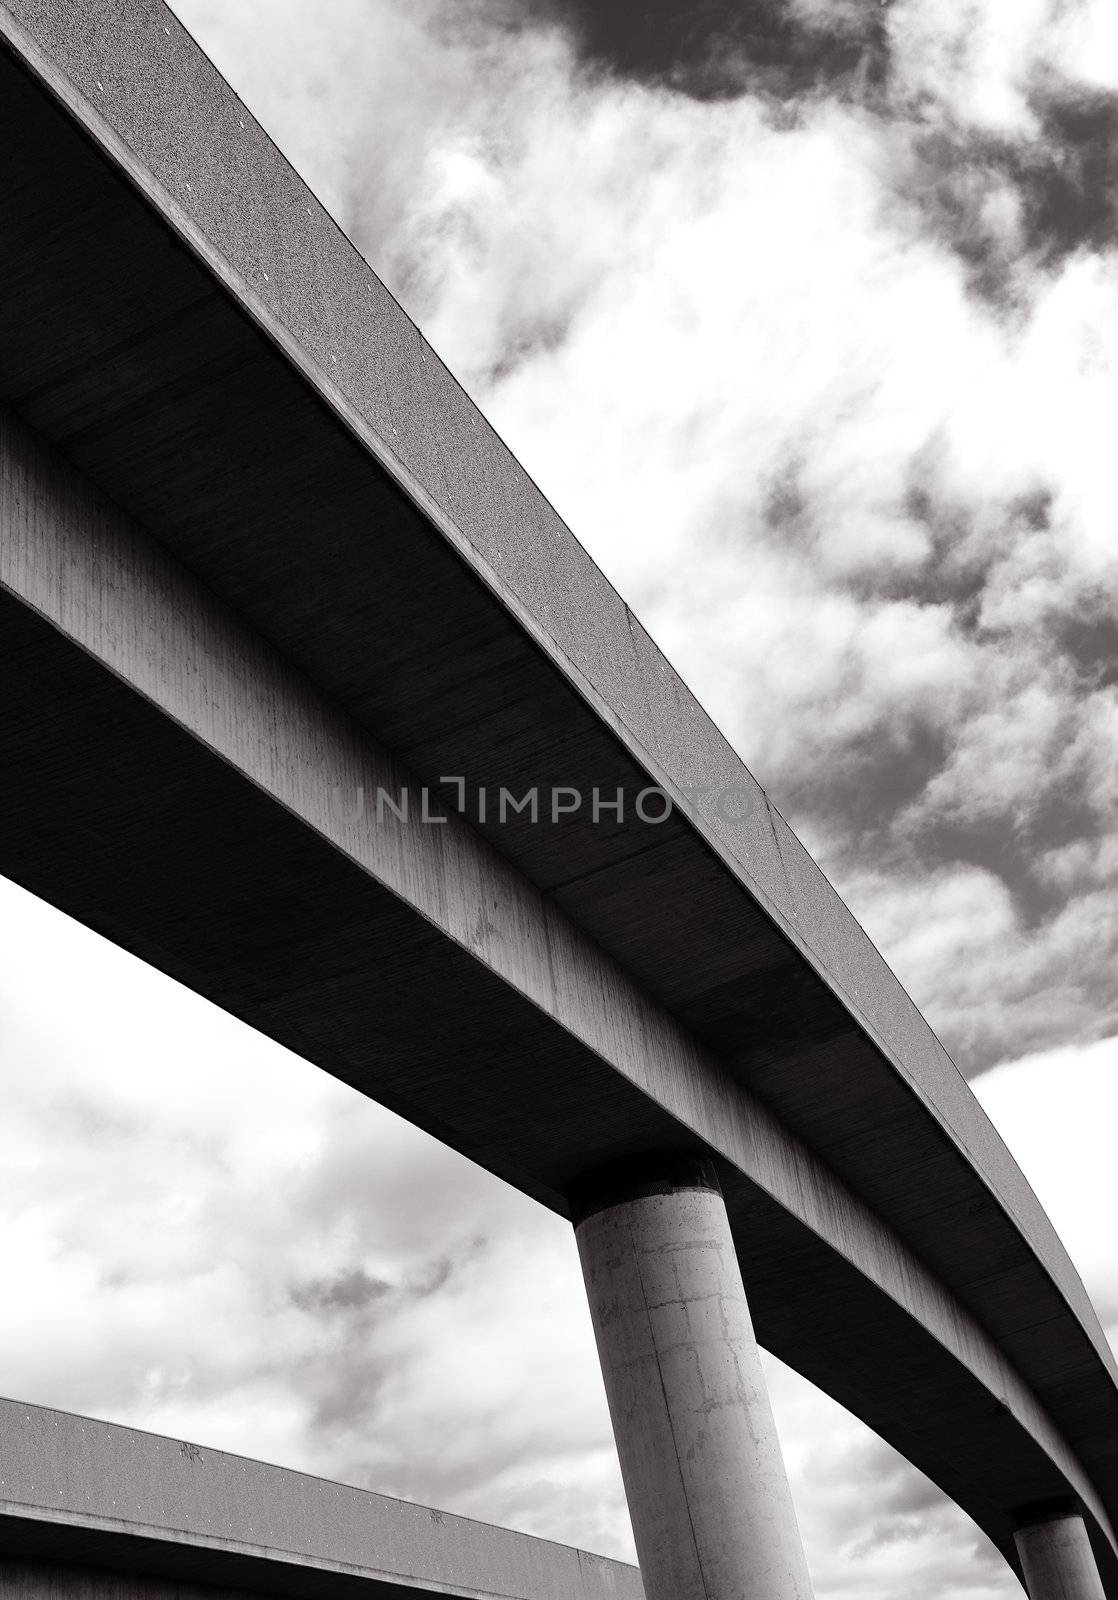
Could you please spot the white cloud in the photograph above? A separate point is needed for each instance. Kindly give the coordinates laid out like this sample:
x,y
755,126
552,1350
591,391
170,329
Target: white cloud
x,y
971,58
1087,43
981,971
1056,1111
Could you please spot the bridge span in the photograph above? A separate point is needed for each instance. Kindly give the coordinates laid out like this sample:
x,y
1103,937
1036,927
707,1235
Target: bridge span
x,y
288,642
93,1511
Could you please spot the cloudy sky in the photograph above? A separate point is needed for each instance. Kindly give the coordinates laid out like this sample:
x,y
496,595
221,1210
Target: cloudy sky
x,y
804,314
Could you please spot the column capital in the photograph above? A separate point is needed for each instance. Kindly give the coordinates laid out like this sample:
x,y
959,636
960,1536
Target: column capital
x,y
1038,1512
638,1177
1057,1561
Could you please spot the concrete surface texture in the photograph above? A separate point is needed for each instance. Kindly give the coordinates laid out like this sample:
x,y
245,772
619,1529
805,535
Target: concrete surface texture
x,y
708,1495
218,431
1057,1561
79,1493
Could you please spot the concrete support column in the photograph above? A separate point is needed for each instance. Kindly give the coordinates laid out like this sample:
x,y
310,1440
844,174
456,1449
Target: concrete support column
x,y
704,1476
1057,1559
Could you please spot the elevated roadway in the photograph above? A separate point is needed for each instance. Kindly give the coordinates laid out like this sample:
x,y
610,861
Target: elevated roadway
x,y
92,1510
262,561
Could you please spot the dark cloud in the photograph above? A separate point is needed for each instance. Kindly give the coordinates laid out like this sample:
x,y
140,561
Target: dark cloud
x,y
1070,195
355,1291
715,49
956,567
864,786
962,556
348,1291
995,778
1003,204
1089,640
343,1393
1009,848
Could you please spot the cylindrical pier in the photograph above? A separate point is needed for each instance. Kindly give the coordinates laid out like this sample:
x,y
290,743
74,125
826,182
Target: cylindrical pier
x,y
704,1475
1057,1559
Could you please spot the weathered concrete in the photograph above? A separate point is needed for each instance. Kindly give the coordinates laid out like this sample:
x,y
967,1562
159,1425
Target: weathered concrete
x,y
704,1476
85,1505
1057,1560
261,544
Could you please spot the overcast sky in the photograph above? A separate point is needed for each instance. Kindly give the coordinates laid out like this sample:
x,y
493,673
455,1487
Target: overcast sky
x,y
804,314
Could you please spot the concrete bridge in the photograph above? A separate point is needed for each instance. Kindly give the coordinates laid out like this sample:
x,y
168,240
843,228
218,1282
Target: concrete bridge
x,y
310,700
90,1511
